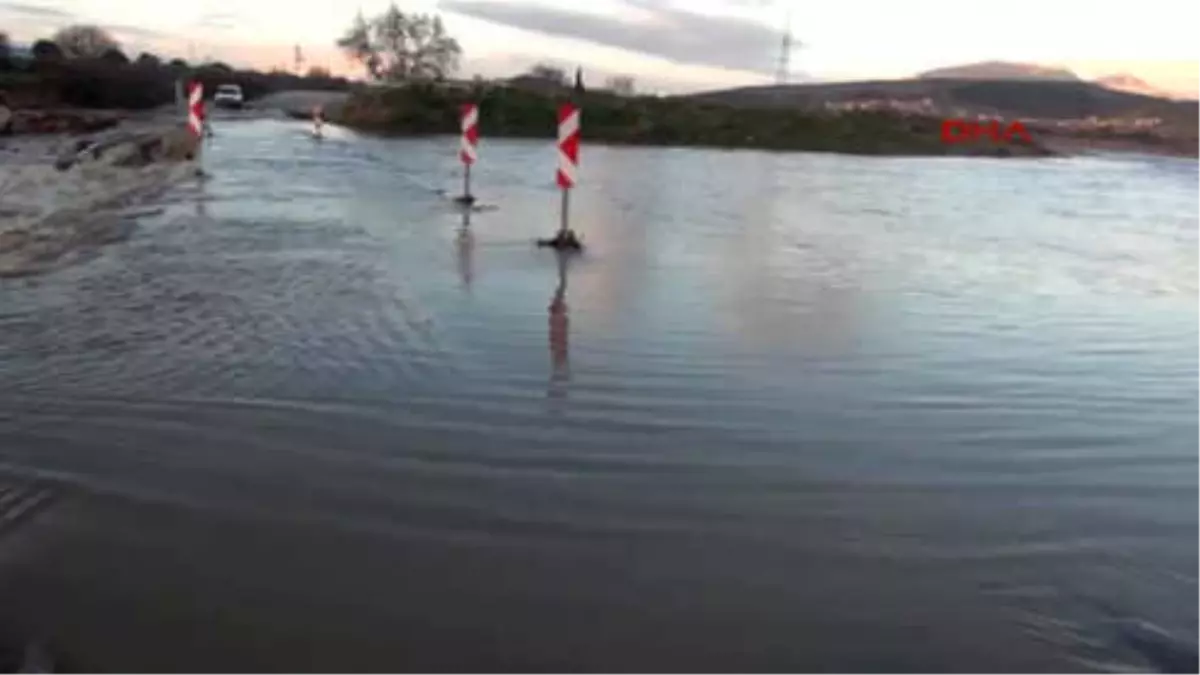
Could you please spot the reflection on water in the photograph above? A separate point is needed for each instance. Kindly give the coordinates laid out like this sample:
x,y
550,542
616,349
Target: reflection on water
x,y
824,413
201,199
465,250
560,373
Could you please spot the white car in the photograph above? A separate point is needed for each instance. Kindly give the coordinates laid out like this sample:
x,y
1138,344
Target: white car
x,y
228,96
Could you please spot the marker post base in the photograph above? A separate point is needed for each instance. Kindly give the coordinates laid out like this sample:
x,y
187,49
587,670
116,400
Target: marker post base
x,y
565,239
466,198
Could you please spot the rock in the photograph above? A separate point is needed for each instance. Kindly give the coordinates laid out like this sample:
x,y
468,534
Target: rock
x,y
133,150
12,240
180,145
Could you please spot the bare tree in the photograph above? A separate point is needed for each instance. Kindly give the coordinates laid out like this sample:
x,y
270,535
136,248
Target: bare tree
x,y
389,34
356,43
621,85
434,54
84,41
399,47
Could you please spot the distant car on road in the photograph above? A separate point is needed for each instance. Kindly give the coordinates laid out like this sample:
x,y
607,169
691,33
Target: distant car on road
x,y
228,96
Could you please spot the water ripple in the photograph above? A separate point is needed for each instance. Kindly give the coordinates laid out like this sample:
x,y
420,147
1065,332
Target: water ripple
x,y
780,395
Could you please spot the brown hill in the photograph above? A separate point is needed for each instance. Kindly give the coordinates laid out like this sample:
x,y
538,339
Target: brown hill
x,y
1006,70
1000,70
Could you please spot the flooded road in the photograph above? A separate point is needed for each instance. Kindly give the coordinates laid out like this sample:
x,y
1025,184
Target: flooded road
x,y
787,412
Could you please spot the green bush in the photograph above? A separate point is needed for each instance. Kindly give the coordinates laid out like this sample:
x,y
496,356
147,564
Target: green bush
x,y
514,111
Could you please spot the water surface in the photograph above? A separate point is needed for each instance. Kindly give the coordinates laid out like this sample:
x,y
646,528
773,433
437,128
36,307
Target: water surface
x,y
788,412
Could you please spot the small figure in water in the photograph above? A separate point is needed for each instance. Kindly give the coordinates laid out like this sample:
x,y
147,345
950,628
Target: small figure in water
x,y
318,115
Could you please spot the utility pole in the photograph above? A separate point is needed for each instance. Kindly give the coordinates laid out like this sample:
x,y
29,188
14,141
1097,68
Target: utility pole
x,y
784,69
299,59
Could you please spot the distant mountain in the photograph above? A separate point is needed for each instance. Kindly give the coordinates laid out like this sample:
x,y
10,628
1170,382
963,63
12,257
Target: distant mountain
x,y
1133,85
1006,70
1000,70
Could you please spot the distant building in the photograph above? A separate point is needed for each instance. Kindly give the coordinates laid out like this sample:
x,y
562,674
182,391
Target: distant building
x,y
910,106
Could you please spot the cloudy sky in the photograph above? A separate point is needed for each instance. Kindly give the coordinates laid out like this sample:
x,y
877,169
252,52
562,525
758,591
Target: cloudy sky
x,y
674,45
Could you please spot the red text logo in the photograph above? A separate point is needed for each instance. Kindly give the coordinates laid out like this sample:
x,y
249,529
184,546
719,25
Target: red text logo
x,y
969,131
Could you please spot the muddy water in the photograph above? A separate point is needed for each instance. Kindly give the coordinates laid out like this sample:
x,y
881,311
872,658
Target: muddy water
x,y
788,412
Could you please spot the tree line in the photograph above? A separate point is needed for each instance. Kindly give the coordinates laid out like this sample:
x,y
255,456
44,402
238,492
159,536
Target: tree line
x,y
85,66
80,42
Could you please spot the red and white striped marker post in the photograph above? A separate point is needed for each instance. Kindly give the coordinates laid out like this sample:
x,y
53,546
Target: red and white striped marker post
x,y
568,157
467,147
195,115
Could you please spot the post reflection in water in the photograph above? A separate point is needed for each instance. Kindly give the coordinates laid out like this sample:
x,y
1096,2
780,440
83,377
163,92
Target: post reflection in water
x,y
560,367
201,200
465,249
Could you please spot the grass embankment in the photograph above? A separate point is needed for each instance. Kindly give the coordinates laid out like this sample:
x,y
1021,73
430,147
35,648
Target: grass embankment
x,y
515,112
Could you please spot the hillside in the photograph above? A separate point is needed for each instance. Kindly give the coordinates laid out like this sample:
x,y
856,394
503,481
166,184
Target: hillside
x,y
1009,71
1006,98
1000,70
